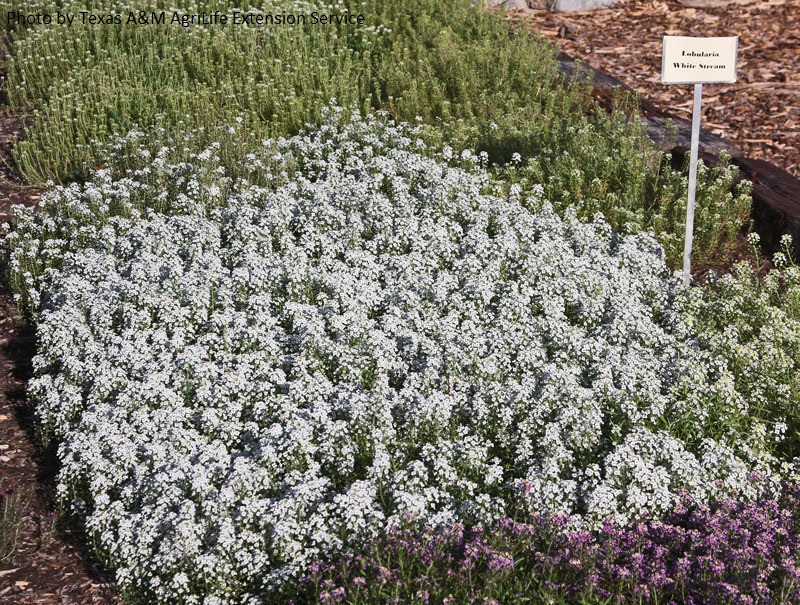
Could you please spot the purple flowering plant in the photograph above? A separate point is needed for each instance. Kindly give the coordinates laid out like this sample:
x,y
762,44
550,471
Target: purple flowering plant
x,y
726,552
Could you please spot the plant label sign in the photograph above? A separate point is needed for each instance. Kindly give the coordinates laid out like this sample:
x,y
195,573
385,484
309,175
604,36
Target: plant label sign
x,y
687,60
697,61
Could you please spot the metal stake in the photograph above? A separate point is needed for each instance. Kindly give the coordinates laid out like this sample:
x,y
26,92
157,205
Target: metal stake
x,y
687,246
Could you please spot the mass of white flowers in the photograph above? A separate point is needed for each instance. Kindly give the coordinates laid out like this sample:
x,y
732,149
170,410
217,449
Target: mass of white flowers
x,y
265,375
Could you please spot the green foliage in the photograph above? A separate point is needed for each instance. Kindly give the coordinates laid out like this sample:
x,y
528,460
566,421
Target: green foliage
x,y
474,82
752,324
13,504
85,82
722,211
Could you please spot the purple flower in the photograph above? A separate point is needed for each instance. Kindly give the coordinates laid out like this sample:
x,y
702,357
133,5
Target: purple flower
x,y
728,552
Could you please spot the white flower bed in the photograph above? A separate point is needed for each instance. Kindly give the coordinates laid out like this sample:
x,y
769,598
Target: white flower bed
x,y
243,389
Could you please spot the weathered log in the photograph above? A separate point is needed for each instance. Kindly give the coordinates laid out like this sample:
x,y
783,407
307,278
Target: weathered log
x,y
776,203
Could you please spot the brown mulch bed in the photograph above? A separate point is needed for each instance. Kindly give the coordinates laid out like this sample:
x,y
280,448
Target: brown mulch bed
x,y
760,113
51,563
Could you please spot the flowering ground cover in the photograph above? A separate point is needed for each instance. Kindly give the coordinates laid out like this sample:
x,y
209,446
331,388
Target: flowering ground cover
x,y
254,376
727,552
293,368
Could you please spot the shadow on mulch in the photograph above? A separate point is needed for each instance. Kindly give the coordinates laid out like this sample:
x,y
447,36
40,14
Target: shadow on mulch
x,y
51,562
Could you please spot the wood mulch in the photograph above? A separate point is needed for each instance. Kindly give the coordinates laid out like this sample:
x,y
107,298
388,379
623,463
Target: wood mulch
x,y
52,563
761,114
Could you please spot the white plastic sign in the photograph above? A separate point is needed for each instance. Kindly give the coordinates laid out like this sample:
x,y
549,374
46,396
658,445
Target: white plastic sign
x,y
696,61
687,60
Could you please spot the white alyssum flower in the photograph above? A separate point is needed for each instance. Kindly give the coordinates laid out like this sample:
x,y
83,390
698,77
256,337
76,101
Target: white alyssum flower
x,y
241,388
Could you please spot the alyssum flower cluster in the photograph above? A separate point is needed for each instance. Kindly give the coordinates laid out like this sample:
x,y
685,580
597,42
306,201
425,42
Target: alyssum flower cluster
x,y
264,375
